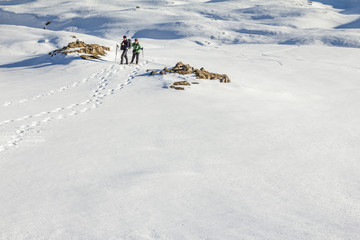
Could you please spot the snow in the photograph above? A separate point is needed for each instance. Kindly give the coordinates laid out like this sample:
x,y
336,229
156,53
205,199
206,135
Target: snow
x,y
90,149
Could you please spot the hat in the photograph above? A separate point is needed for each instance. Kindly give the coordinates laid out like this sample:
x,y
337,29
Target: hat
x,y
124,36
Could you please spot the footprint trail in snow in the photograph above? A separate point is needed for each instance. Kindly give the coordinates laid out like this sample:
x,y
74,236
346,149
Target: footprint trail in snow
x,y
28,124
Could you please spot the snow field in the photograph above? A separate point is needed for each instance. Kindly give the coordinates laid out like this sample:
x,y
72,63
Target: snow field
x,y
97,150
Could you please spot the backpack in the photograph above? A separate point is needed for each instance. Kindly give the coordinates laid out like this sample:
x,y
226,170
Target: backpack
x,y
130,43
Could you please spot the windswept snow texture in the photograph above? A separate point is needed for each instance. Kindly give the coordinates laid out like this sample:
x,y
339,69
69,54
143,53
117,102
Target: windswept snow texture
x,y
90,149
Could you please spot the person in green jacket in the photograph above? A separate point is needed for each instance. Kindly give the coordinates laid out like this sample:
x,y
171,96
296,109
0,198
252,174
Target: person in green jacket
x,y
136,51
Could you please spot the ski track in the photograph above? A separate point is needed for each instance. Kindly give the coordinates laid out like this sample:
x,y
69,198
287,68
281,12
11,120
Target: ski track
x,y
97,98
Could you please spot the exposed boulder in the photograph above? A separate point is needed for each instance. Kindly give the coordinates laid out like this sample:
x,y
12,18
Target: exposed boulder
x,y
183,69
201,73
88,51
225,79
180,83
177,88
89,57
183,83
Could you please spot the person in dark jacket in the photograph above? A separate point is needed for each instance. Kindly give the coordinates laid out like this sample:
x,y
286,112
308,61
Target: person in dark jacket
x,y
136,51
125,45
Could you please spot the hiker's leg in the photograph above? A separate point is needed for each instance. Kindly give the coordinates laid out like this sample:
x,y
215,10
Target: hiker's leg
x,y
137,58
133,57
122,56
126,57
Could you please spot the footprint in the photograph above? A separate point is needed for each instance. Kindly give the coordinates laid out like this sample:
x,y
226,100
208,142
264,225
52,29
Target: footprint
x,y
19,131
7,104
6,121
22,129
46,120
38,115
72,105
34,124
57,110
22,118
85,102
11,144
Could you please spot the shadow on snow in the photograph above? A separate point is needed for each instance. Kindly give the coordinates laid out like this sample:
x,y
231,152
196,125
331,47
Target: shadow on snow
x,y
16,2
348,7
157,34
41,61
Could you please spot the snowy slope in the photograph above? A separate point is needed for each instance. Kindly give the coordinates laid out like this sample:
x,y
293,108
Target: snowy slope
x,y
98,150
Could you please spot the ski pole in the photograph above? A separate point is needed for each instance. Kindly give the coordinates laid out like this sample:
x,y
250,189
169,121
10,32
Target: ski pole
x,y
116,52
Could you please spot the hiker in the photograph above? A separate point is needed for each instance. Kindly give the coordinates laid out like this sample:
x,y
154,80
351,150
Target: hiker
x,y
136,51
125,45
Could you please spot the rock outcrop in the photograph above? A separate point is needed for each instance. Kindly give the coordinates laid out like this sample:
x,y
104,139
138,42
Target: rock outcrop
x,y
201,73
87,51
183,83
177,88
183,69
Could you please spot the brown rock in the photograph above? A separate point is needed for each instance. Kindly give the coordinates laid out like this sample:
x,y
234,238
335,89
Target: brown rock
x,y
177,88
93,51
201,73
225,79
184,83
89,57
183,72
